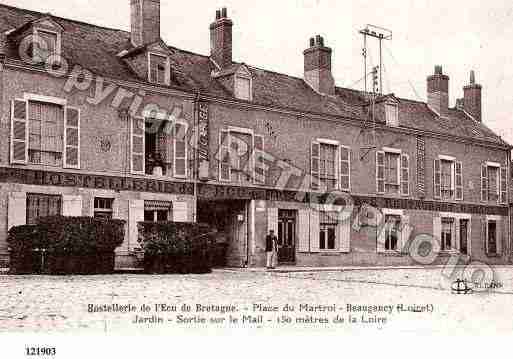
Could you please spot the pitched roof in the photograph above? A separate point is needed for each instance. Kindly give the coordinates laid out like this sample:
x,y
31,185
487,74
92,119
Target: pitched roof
x,y
96,48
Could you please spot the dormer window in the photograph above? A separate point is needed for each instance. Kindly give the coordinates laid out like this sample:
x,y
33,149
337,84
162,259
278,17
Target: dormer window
x,y
243,87
46,43
392,114
159,69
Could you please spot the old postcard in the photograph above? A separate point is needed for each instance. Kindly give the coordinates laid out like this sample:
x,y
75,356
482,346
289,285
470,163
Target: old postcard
x,y
302,167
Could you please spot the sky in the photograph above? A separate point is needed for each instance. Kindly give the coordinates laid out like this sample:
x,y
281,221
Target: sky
x,y
270,34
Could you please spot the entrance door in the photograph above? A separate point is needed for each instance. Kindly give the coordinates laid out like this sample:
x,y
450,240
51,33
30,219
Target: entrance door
x,y
464,236
287,236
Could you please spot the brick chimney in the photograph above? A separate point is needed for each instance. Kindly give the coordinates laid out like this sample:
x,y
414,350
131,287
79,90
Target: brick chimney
x,y
145,22
472,98
221,39
318,67
438,92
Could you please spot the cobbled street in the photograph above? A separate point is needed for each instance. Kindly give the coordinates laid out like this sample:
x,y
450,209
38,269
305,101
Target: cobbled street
x,y
60,304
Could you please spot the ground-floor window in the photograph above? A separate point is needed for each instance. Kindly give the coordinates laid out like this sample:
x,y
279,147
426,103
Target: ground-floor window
x,y
157,211
392,232
42,205
448,235
328,230
103,207
491,237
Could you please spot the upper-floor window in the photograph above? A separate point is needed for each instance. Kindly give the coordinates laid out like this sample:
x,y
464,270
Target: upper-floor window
x,y
330,165
159,147
391,114
494,178
241,156
44,131
158,69
392,172
243,87
448,178
46,45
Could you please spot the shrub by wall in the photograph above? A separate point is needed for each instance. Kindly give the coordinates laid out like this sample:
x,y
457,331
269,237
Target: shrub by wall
x,y
176,247
65,245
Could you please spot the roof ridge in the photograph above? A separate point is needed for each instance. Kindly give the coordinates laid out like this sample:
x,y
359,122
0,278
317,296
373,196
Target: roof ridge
x,y
39,13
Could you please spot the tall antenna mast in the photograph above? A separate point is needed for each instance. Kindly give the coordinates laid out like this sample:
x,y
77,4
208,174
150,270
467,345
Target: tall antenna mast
x,y
380,34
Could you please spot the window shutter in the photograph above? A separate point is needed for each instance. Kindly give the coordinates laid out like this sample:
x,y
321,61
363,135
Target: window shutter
x,y
72,206
260,174
72,138
380,237
406,230
135,215
180,212
504,185
437,179
484,233
437,232
484,183
224,160
180,150
380,172
272,220
137,131
303,231
459,180
16,209
405,175
501,229
314,231
315,159
345,168
19,132
344,232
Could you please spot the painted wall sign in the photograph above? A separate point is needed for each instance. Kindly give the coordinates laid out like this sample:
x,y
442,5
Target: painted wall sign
x,y
221,192
203,138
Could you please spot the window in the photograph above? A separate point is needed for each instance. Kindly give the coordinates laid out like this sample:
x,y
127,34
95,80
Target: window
x,y
392,232
448,235
446,172
46,45
392,172
241,157
46,122
392,114
327,230
42,205
103,207
243,88
491,237
494,183
327,168
157,211
448,179
159,69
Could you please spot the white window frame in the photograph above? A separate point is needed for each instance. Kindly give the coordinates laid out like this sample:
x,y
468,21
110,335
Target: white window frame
x,y
395,109
238,77
498,184
381,236
456,217
28,97
168,68
245,131
399,153
58,41
132,119
453,175
497,220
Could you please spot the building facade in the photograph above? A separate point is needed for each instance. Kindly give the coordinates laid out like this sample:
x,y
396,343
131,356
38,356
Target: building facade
x,y
107,123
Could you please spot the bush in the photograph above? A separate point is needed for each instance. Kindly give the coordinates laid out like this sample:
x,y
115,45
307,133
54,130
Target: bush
x,y
65,245
176,247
